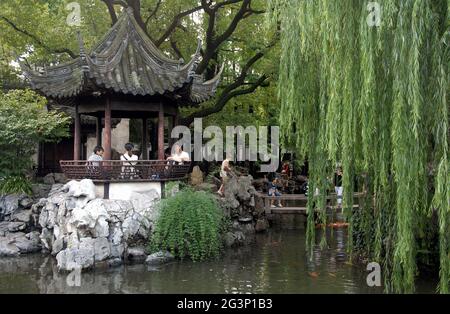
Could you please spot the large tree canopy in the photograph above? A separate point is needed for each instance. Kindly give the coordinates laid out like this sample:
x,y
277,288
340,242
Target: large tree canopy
x,y
374,98
231,31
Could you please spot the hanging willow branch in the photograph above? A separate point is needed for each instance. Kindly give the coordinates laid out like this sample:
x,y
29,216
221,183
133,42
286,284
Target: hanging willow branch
x,y
374,99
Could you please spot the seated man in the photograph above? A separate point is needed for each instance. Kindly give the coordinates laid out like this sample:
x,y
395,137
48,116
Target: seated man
x,y
178,155
273,191
97,155
93,165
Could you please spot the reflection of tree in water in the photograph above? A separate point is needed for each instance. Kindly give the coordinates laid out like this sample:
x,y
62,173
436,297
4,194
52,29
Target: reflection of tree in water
x,y
276,263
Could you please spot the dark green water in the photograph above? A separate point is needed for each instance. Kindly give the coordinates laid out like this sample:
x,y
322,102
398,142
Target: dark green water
x,y
275,263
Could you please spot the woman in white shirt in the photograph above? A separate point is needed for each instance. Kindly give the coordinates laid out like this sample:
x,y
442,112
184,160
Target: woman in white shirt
x,y
179,155
129,159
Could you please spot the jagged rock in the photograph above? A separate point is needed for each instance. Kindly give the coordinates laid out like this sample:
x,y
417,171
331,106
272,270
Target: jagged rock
x,y
49,179
76,258
7,247
245,219
159,258
261,225
41,190
130,227
88,216
208,187
46,238
60,177
83,191
136,254
26,203
22,216
234,238
57,246
115,262
101,249
3,228
29,243
16,226
196,176
73,224
53,178
9,204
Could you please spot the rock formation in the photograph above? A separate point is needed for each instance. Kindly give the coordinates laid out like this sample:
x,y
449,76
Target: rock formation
x,y
82,231
240,204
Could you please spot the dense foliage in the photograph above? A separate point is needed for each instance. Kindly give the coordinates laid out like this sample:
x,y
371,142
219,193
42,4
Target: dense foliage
x,y
231,32
373,98
24,122
189,225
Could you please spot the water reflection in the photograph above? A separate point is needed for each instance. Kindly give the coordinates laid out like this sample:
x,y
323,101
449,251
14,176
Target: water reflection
x,y
275,263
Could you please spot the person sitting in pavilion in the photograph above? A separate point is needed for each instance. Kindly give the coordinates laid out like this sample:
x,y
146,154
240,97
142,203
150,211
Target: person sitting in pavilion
x,y
93,164
129,161
96,156
178,155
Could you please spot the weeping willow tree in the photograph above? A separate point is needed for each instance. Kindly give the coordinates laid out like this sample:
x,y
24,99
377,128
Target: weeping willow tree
x,y
372,97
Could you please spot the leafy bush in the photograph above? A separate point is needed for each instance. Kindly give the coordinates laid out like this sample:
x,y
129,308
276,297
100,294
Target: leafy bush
x,y
190,224
25,122
15,184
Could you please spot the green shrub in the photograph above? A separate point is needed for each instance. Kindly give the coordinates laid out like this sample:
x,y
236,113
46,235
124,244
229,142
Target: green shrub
x,y
189,225
15,184
25,122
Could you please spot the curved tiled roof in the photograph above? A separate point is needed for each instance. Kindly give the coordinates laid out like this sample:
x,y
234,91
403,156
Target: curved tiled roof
x,y
125,61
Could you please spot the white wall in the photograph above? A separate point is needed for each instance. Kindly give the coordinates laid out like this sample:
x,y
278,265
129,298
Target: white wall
x,y
123,190
120,135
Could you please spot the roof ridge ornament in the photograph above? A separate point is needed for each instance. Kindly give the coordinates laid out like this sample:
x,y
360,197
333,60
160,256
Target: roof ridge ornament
x,y
83,56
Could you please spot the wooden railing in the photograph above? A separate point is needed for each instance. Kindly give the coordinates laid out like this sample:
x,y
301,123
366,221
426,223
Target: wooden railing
x,y
124,171
331,199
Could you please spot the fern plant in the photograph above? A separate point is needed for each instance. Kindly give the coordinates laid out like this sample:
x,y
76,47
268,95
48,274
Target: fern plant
x,y
189,225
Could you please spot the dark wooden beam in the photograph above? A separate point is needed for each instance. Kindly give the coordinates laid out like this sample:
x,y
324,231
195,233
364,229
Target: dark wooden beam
x,y
99,131
144,139
107,144
77,135
161,132
127,109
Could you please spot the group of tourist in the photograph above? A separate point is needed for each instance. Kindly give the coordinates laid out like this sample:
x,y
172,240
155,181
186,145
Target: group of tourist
x,y
179,156
275,184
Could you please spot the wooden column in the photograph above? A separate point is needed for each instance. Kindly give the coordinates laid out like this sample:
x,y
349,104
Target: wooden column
x,y
77,135
99,131
107,144
161,132
174,124
144,139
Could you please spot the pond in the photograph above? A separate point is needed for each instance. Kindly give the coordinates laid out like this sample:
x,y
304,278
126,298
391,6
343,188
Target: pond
x,y
275,263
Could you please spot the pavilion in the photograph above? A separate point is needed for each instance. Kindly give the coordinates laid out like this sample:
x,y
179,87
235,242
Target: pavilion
x,y
124,76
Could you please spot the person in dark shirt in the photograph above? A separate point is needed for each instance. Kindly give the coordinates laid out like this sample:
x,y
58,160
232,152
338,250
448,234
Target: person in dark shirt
x,y
338,186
